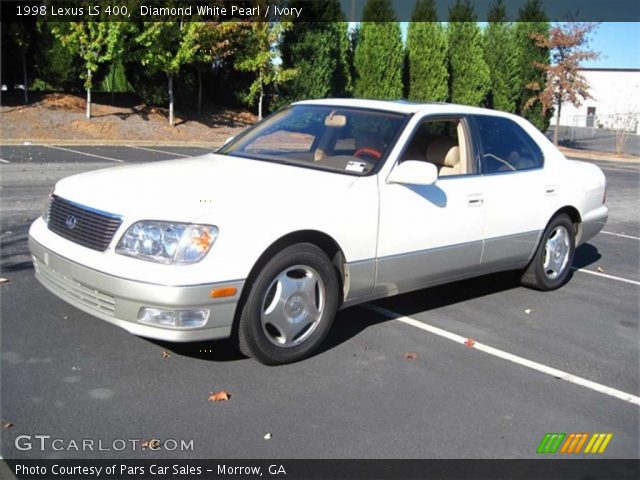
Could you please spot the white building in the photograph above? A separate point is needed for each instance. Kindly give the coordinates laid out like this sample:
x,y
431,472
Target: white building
x,y
615,103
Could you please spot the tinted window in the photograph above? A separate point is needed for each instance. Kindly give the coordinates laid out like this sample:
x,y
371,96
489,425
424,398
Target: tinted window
x,y
505,146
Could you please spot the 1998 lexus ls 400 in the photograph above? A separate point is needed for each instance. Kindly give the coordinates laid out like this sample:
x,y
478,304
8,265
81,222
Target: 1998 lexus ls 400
x,y
324,205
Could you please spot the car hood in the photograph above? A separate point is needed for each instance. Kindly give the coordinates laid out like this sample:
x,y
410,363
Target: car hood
x,y
199,187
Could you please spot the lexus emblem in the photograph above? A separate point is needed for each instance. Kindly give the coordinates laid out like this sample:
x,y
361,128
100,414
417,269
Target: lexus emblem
x,y
71,222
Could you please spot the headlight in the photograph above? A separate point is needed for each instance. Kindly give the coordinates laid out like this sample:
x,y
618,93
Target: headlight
x,y
165,242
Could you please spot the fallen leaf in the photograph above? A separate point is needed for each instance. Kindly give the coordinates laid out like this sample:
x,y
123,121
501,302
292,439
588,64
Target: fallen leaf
x,y
411,355
267,436
7,425
469,342
165,354
4,280
151,444
527,311
220,396
600,269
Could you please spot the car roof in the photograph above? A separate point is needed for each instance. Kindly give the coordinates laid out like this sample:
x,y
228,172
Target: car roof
x,y
403,106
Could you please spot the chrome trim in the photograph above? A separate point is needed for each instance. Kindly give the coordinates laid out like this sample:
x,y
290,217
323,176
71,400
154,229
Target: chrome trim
x,y
90,209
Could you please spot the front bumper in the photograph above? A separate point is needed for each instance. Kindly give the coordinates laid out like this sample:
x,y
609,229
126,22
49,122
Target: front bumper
x,y
118,300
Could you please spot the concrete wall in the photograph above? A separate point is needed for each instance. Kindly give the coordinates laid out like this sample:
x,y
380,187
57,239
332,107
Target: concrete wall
x,y
616,95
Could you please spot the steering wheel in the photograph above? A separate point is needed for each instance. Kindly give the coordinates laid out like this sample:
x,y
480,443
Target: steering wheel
x,y
368,151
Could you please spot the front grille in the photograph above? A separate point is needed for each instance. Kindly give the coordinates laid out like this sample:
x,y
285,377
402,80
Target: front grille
x,y
82,225
70,288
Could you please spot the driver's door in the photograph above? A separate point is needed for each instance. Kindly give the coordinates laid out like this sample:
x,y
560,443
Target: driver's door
x,y
430,234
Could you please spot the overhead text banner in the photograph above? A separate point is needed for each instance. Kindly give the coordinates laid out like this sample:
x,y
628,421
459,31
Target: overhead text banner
x,y
294,10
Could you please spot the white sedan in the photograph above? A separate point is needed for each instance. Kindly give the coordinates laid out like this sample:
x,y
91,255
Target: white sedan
x,y
324,205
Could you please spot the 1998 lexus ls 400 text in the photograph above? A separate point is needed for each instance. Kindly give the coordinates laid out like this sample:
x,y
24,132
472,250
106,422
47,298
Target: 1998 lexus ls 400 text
x,y
323,205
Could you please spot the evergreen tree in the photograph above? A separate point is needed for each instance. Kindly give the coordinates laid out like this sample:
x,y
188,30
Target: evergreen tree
x,y
379,55
469,74
532,22
501,59
427,55
318,51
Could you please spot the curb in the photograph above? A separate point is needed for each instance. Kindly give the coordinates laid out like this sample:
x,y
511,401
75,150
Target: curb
x,y
595,155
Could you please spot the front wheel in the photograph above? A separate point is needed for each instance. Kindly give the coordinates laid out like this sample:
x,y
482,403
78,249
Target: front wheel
x,y
290,306
550,267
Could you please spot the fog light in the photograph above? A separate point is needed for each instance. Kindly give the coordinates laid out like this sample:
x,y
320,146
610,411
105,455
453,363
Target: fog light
x,y
174,318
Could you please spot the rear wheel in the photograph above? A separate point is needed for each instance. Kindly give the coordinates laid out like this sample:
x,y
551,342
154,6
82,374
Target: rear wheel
x,y
290,307
550,267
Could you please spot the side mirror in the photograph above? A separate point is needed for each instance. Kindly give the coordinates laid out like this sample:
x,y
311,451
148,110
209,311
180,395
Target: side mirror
x,y
414,172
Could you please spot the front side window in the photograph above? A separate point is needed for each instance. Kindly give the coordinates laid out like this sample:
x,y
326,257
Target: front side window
x,y
330,138
505,146
443,143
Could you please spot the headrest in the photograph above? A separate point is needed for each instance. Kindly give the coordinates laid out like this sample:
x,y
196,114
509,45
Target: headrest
x,y
439,151
453,157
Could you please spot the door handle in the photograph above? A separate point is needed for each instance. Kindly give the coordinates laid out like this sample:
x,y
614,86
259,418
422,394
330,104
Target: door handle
x,y
550,189
475,200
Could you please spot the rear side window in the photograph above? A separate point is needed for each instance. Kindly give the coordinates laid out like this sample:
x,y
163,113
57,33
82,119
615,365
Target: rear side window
x,y
505,146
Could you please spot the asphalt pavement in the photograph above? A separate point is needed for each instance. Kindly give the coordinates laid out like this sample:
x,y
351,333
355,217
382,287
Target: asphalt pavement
x,y
562,361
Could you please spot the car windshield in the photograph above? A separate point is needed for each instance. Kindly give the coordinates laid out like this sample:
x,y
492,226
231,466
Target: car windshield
x,y
346,140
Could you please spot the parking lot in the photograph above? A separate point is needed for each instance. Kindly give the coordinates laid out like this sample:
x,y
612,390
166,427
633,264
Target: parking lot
x,y
562,361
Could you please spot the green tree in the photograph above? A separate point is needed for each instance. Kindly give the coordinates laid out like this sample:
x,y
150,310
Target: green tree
x,y
94,42
469,73
318,51
427,54
258,54
502,60
216,42
532,22
379,55
166,47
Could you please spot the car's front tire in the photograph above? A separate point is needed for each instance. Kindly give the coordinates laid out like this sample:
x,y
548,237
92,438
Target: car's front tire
x,y
290,306
551,265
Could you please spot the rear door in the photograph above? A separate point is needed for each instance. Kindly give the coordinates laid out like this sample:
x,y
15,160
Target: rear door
x,y
511,164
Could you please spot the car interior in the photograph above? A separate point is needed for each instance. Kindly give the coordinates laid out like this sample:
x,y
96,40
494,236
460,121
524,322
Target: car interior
x,y
443,143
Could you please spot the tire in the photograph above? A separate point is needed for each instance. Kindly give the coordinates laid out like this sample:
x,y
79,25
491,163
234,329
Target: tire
x,y
290,306
551,265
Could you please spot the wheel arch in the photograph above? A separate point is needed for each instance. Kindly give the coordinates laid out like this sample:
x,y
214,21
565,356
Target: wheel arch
x,y
322,240
575,217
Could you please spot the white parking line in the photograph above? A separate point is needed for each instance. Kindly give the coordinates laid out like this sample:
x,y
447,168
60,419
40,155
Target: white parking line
x,y
2,160
85,153
554,372
620,235
159,151
610,277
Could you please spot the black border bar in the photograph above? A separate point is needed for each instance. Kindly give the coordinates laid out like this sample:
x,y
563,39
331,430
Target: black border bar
x,y
543,469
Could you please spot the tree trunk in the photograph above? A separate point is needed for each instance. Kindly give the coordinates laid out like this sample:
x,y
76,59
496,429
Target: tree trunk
x,y
261,97
113,79
88,94
25,80
557,127
170,99
199,91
